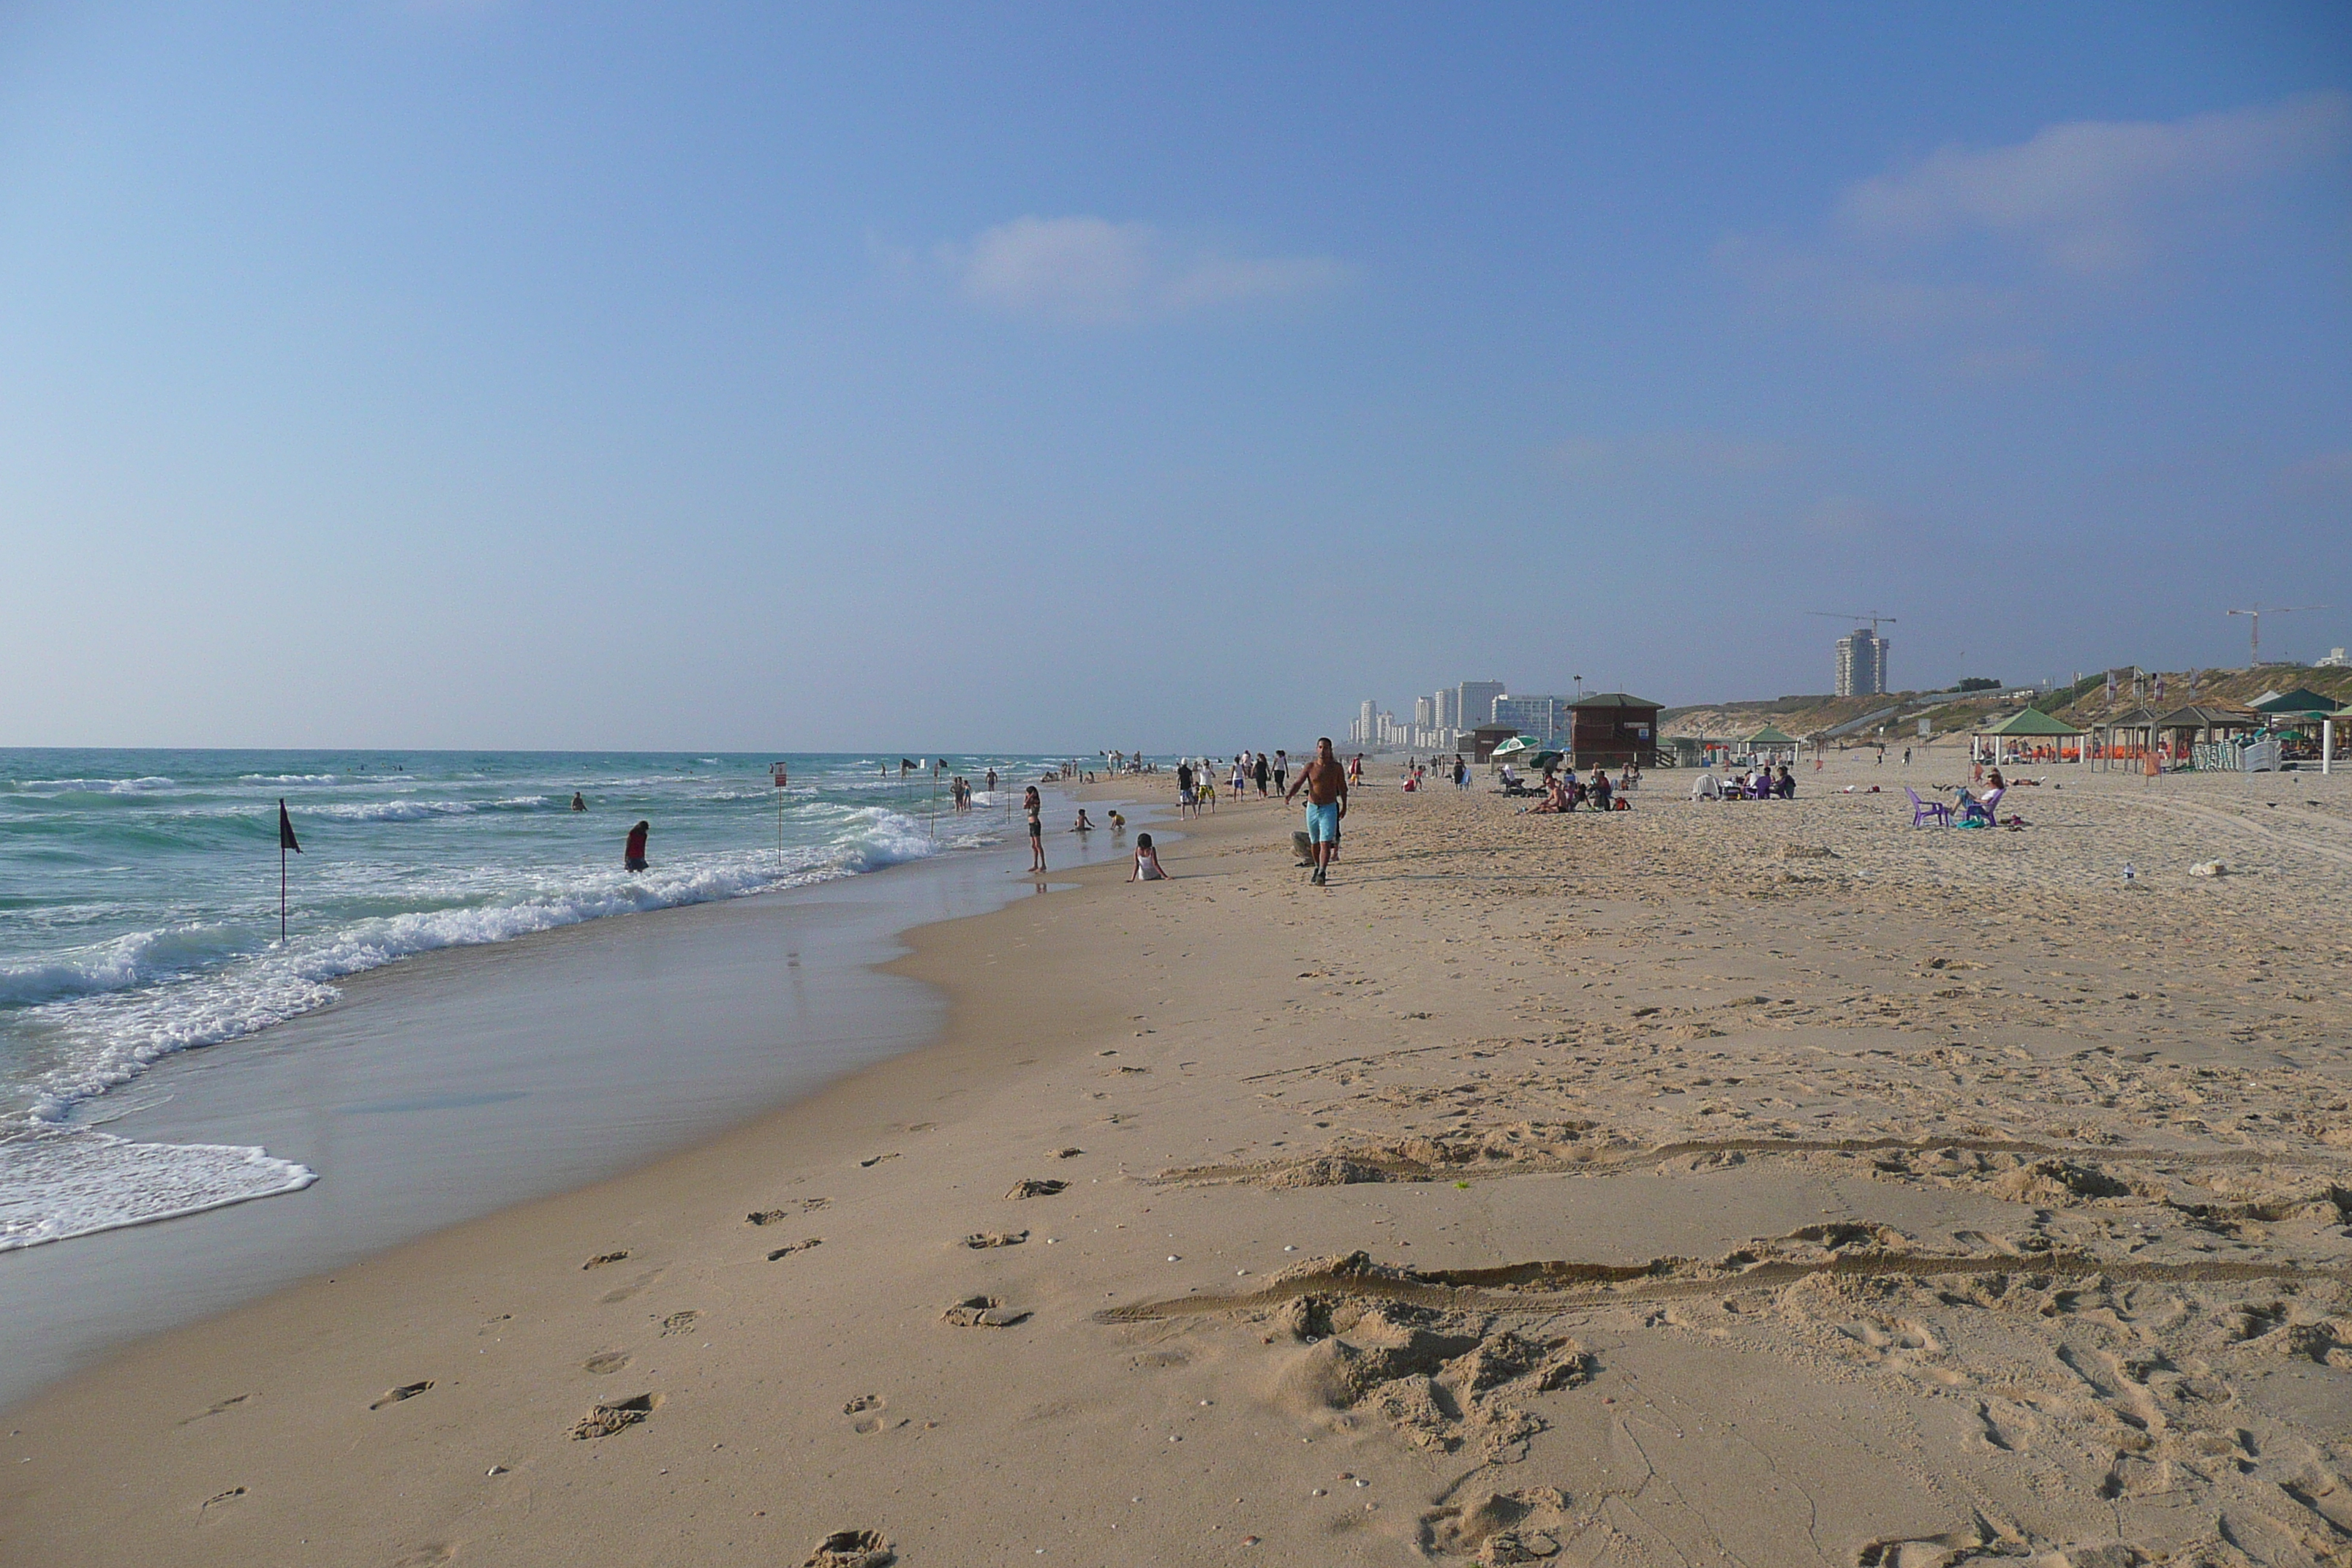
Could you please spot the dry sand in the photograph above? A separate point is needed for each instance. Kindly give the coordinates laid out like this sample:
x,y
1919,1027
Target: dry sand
x,y
1766,1183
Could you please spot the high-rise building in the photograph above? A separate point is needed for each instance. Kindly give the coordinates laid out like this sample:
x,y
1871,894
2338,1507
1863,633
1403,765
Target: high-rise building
x,y
1475,698
1537,718
1424,713
1862,663
1448,706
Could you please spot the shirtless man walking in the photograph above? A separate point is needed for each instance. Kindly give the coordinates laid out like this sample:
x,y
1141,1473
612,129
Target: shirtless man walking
x,y
1325,784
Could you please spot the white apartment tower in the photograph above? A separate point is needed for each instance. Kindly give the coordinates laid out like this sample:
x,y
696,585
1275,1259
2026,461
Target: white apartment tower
x,y
1475,702
1447,706
1862,663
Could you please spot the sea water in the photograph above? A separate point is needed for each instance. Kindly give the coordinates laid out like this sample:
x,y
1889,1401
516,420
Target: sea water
x,y
139,908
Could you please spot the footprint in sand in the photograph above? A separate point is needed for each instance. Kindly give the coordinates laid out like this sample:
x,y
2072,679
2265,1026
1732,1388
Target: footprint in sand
x,y
868,1408
405,1391
218,1498
875,1160
605,1361
602,1259
770,1217
801,1245
980,1239
603,1420
982,1312
852,1549
218,1406
623,1292
1068,1154
1032,1187
680,1322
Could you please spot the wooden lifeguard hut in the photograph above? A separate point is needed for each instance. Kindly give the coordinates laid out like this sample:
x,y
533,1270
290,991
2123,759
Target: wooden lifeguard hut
x,y
1611,729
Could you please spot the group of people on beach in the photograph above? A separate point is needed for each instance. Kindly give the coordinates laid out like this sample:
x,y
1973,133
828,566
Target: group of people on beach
x,y
1196,779
1564,792
1758,783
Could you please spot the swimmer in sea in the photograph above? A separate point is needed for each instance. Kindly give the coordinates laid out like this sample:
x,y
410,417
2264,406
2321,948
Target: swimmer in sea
x,y
632,858
579,802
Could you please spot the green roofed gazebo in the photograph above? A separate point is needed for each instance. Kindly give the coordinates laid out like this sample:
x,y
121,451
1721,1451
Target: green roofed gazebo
x,y
2030,722
1772,738
2301,702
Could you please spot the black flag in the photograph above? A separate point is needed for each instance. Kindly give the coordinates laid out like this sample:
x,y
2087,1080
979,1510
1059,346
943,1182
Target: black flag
x,y
285,830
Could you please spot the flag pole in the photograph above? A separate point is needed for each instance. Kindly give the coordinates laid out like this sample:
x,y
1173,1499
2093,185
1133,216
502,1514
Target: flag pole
x,y
281,874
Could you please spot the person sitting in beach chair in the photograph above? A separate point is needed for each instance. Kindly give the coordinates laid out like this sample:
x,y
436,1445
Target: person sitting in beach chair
x,y
1785,785
1598,791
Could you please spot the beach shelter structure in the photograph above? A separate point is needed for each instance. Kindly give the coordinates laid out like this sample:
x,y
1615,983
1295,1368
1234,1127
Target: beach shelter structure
x,y
2027,726
1772,739
2300,702
2329,728
2131,734
2205,723
1612,729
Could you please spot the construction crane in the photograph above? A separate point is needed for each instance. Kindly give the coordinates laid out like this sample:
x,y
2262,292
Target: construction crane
x,y
1861,615
2255,616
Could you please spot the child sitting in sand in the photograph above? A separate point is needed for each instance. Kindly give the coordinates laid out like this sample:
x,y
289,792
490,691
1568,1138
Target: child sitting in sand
x,y
1082,825
1146,861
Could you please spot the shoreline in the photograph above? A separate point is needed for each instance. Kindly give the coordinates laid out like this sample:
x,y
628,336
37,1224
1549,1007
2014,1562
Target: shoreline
x,y
1692,1180
501,1064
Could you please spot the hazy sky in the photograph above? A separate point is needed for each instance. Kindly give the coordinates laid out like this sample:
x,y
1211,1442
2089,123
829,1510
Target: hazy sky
x,y
777,377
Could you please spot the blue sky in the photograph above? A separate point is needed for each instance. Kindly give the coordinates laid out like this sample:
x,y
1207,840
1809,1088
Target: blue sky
x,y
492,375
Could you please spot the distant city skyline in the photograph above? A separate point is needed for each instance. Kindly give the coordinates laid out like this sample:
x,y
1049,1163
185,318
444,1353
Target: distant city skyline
x,y
490,374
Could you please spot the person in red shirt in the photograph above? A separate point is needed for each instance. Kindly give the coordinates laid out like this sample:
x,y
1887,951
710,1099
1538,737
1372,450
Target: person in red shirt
x,y
634,857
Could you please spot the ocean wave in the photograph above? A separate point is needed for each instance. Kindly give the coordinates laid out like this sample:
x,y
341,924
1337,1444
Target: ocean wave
x,y
56,1183
387,810
96,786
138,959
290,778
123,1005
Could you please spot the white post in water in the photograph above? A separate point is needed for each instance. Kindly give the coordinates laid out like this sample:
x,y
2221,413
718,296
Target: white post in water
x,y
776,772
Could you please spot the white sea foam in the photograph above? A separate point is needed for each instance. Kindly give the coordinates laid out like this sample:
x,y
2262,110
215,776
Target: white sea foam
x,y
290,778
116,1007
56,1183
96,786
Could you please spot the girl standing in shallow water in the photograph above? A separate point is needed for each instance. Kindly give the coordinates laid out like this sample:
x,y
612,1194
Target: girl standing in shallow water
x,y
1035,805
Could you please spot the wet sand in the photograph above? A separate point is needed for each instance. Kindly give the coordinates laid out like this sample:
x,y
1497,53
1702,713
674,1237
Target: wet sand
x,y
1766,1182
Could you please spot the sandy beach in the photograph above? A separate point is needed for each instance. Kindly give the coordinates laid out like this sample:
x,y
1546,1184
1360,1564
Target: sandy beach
x,y
1765,1182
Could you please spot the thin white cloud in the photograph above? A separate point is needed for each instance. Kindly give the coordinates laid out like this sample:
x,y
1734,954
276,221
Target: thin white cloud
x,y
1971,236
1093,271
2092,195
